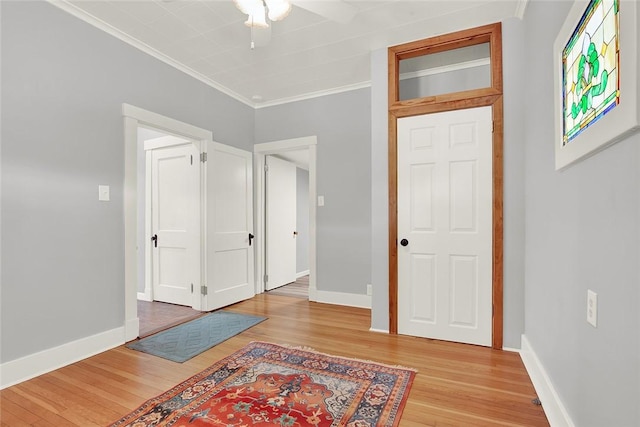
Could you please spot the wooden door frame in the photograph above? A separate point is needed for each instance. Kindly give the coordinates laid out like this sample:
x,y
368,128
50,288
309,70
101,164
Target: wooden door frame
x,y
490,96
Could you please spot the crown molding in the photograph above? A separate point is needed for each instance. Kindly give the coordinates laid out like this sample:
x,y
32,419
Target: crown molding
x,y
312,95
101,25
521,8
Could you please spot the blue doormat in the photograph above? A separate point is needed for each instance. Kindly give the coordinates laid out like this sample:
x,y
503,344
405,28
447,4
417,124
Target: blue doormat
x,y
185,341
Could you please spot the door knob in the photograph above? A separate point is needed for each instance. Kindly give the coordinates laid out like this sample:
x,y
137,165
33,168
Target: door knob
x,y
251,237
154,238
404,242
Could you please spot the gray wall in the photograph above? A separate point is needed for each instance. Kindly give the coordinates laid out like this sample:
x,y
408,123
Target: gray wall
x,y
441,83
63,83
513,39
582,232
342,125
379,192
302,220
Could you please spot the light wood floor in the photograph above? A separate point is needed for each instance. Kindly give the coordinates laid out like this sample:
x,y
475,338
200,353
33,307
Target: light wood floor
x,y
299,288
157,316
456,384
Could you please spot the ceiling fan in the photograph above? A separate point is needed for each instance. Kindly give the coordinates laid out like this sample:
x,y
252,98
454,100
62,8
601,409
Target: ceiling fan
x,y
260,12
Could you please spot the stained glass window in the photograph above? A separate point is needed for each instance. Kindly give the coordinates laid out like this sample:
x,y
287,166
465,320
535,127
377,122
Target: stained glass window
x,y
590,66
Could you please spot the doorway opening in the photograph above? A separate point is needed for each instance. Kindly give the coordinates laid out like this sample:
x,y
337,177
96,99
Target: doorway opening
x,y
301,153
134,119
164,295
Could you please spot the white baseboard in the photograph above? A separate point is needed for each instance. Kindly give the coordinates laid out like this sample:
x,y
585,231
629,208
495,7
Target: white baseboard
x,y
144,296
131,329
302,274
380,331
27,367
341,298
553,408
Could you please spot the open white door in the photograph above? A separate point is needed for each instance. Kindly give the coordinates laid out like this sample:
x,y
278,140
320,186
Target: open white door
x,y
445,256
175,224
280,222
229,253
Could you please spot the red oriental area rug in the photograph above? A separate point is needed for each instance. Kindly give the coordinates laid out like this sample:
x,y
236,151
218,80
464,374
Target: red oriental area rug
x,y
269,385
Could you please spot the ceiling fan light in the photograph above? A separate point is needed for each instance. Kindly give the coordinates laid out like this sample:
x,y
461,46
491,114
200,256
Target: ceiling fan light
x,y
247,6
278,9
257,18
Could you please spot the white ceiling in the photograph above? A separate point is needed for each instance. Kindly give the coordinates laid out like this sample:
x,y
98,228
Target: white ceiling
x,y
306,55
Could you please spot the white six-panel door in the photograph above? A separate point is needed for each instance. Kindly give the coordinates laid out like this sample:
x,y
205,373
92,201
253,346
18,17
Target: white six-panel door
x,y
229,258
280,222
445,226
175,194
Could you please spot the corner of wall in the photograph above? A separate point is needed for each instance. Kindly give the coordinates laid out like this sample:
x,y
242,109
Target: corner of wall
x,y
552,404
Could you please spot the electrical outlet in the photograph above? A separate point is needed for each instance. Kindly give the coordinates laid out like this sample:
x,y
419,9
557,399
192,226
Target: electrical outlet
x,y
369,290
592,308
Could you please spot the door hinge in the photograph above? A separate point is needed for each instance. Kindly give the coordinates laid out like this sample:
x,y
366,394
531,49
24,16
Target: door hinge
x,y
266,168
203,157
203,290
493,126
266,278
192,159
192,288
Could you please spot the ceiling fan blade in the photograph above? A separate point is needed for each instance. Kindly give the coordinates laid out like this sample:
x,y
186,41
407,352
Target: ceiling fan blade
x,y
335,10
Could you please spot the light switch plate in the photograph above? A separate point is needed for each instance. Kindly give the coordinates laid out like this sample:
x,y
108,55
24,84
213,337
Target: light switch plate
x,y
592,308
103,193
320,200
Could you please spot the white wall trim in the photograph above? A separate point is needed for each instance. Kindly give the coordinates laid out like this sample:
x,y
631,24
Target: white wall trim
x,y
275,147
25,368
521,8
302,274
312,95
553,408
101,25
341,298
131,329
133,118
92,20
144,296
158,121
379,331
285,145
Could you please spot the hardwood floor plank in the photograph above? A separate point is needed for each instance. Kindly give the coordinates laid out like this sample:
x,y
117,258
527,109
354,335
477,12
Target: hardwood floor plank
x,y
45,414
456,384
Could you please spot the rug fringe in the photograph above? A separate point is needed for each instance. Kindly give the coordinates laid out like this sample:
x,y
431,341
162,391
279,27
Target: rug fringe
x,y
312,350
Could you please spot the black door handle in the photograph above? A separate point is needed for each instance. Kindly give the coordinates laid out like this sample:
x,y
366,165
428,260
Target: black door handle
x,y
404,242
251,237
154,238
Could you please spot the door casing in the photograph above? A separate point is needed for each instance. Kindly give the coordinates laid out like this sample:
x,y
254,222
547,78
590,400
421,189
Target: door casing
x,y
133,118
490,96
260,152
